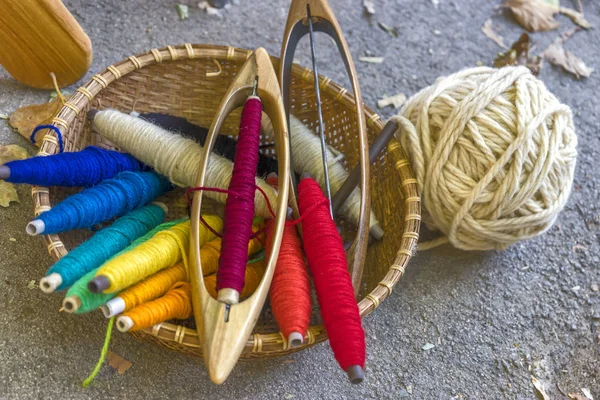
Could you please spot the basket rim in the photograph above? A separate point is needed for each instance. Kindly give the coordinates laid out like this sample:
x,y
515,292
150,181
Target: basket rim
x,y
257,345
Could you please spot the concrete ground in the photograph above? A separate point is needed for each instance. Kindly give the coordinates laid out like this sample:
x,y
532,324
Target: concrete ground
x,y
496,318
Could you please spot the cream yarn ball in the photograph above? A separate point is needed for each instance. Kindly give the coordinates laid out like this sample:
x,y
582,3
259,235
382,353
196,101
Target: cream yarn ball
x,y
494,155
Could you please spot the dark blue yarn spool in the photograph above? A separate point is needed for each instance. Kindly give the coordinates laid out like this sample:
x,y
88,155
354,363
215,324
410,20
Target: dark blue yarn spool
x,y
105,243
84,168
109,199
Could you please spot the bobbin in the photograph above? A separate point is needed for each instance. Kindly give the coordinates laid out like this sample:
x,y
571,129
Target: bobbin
x,y
323,20
225,328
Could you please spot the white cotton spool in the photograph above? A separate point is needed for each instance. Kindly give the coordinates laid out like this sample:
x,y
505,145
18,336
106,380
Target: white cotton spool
x,y
494,155
174,156
307,158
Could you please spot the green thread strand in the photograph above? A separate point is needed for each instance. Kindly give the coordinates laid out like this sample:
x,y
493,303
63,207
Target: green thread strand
x,y
109,329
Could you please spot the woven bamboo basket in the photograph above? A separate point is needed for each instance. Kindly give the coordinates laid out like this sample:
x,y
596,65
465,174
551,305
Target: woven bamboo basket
x,y
189,81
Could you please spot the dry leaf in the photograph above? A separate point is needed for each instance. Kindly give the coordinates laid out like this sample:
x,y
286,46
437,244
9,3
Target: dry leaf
x,y
587,393
118,362
396,101
534,15
576,17
32,285
584,395
183,11
8,193
27,118
557,55
372,60
3,116
393,32
540,387
12,152
488,30
427,346
518,54
369,7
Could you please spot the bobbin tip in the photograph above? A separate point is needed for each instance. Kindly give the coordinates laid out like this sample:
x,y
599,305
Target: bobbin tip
x,y
92,114
113,307
356,374
35,227
377,232
228,296
306,175
161,205
295,339
272,175
98,284
4,172
124,323
71,304
49,283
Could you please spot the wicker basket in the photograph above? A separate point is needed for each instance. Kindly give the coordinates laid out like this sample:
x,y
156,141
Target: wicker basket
x,y
189,81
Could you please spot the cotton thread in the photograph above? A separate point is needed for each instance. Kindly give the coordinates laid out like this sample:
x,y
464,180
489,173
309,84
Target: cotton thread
x,y
494,155
163,250
173,156
253,274
103,353
80,300
239,208
175,304
105,243
85,168
225,146
327,261
109,199
307,159
146,290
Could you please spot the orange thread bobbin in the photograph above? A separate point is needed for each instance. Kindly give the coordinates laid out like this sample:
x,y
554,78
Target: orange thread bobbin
x,y
290,289
175,304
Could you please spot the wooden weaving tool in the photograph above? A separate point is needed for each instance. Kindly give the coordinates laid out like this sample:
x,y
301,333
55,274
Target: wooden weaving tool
x,y
38,37
305,17
224,328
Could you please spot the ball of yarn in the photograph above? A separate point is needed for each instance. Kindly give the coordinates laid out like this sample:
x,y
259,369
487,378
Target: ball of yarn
x,y
494,155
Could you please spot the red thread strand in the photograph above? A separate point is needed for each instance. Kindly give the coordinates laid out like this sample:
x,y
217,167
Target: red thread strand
x,y
290,288
239,206
327,261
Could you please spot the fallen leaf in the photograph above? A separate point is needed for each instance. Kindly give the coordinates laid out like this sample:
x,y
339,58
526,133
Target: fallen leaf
x,y
369,7
534,15
12,239
409,389
540,387
54,94
584,395
27,118
396,101
288,396
118,362
488,30
372,60
3,116
576,17
518,54
428,346
578,247
557,55
8,193
12,152
32,285
390,30
183,11
587,393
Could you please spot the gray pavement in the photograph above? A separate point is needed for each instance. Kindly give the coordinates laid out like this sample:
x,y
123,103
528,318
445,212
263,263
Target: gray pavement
x,y
500,316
